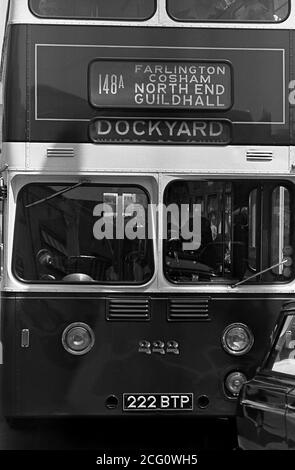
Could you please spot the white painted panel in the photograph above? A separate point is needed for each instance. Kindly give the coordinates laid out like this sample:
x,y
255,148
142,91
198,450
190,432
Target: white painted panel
x,y
14,155
147,158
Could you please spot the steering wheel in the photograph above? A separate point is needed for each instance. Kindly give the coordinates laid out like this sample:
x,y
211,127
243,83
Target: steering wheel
x,y
77,277
81,264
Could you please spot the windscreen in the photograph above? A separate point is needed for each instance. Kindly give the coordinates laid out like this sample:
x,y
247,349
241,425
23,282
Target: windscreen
x,y
84,234
228,231
229,10
94,9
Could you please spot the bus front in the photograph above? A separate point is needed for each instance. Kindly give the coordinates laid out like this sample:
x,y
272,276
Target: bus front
x,y
148,225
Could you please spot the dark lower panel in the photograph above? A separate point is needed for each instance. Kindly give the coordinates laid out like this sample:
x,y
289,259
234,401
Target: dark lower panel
x,y
45,380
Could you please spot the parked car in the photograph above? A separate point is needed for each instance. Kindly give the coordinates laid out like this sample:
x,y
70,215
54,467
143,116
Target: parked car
x,y
267,402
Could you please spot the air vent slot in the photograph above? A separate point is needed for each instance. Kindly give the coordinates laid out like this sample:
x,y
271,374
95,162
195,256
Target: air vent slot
x,y
128,309
259,156
188,309
60,152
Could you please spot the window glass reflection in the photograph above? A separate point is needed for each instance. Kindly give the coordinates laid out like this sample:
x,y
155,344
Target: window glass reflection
x,y
235,229
283,356
252,229
229,10
94,9
81,234
280,228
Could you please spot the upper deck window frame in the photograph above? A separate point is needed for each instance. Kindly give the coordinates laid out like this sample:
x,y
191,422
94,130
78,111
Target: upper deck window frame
x,y
90,18
227,21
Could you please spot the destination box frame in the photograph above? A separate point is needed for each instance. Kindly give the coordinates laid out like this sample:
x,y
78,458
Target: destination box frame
x,y
171,108
160,142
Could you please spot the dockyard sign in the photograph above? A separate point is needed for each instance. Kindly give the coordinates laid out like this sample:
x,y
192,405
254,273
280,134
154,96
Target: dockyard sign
x,y
160,131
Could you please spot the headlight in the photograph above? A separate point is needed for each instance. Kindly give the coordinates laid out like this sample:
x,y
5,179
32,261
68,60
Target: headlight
x,y
234,382
78,338
237,339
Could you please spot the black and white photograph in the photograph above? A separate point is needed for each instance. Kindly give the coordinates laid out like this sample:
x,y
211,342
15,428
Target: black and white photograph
x,y
147,232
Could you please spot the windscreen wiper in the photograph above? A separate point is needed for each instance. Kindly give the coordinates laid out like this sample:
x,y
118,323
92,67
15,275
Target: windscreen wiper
x,y
62,191
260,272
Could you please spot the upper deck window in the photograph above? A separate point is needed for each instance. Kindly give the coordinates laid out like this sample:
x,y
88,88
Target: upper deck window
x,y
259,11
94,9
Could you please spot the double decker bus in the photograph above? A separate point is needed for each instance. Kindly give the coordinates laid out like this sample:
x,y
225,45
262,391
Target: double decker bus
x,y
114,112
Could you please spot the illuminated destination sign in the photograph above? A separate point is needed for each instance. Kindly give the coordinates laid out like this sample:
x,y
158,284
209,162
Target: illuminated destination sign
x,y
160,131
154,84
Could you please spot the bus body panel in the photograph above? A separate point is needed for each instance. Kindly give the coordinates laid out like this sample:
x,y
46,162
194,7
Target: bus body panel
x,y
43,379
47,117
57,109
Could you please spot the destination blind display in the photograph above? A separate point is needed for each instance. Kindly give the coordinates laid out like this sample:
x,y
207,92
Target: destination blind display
x,y
160,131
151,84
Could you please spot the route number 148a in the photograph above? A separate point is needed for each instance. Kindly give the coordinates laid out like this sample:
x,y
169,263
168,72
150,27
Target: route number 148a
x,y
110,83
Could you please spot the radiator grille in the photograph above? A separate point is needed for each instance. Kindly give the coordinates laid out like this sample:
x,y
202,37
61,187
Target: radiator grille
x,y
188,309
127,309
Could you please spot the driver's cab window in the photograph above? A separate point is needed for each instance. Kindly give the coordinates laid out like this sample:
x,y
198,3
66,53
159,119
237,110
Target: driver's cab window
x,y
228,231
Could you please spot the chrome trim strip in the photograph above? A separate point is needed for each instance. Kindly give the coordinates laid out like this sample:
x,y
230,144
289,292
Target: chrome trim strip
x,y
262,407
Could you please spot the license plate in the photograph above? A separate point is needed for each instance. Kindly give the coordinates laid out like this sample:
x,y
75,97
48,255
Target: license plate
x,y
157,402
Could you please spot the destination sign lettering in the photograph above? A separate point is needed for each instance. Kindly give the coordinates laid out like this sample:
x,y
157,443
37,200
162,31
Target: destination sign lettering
x,y
160,131
152,84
